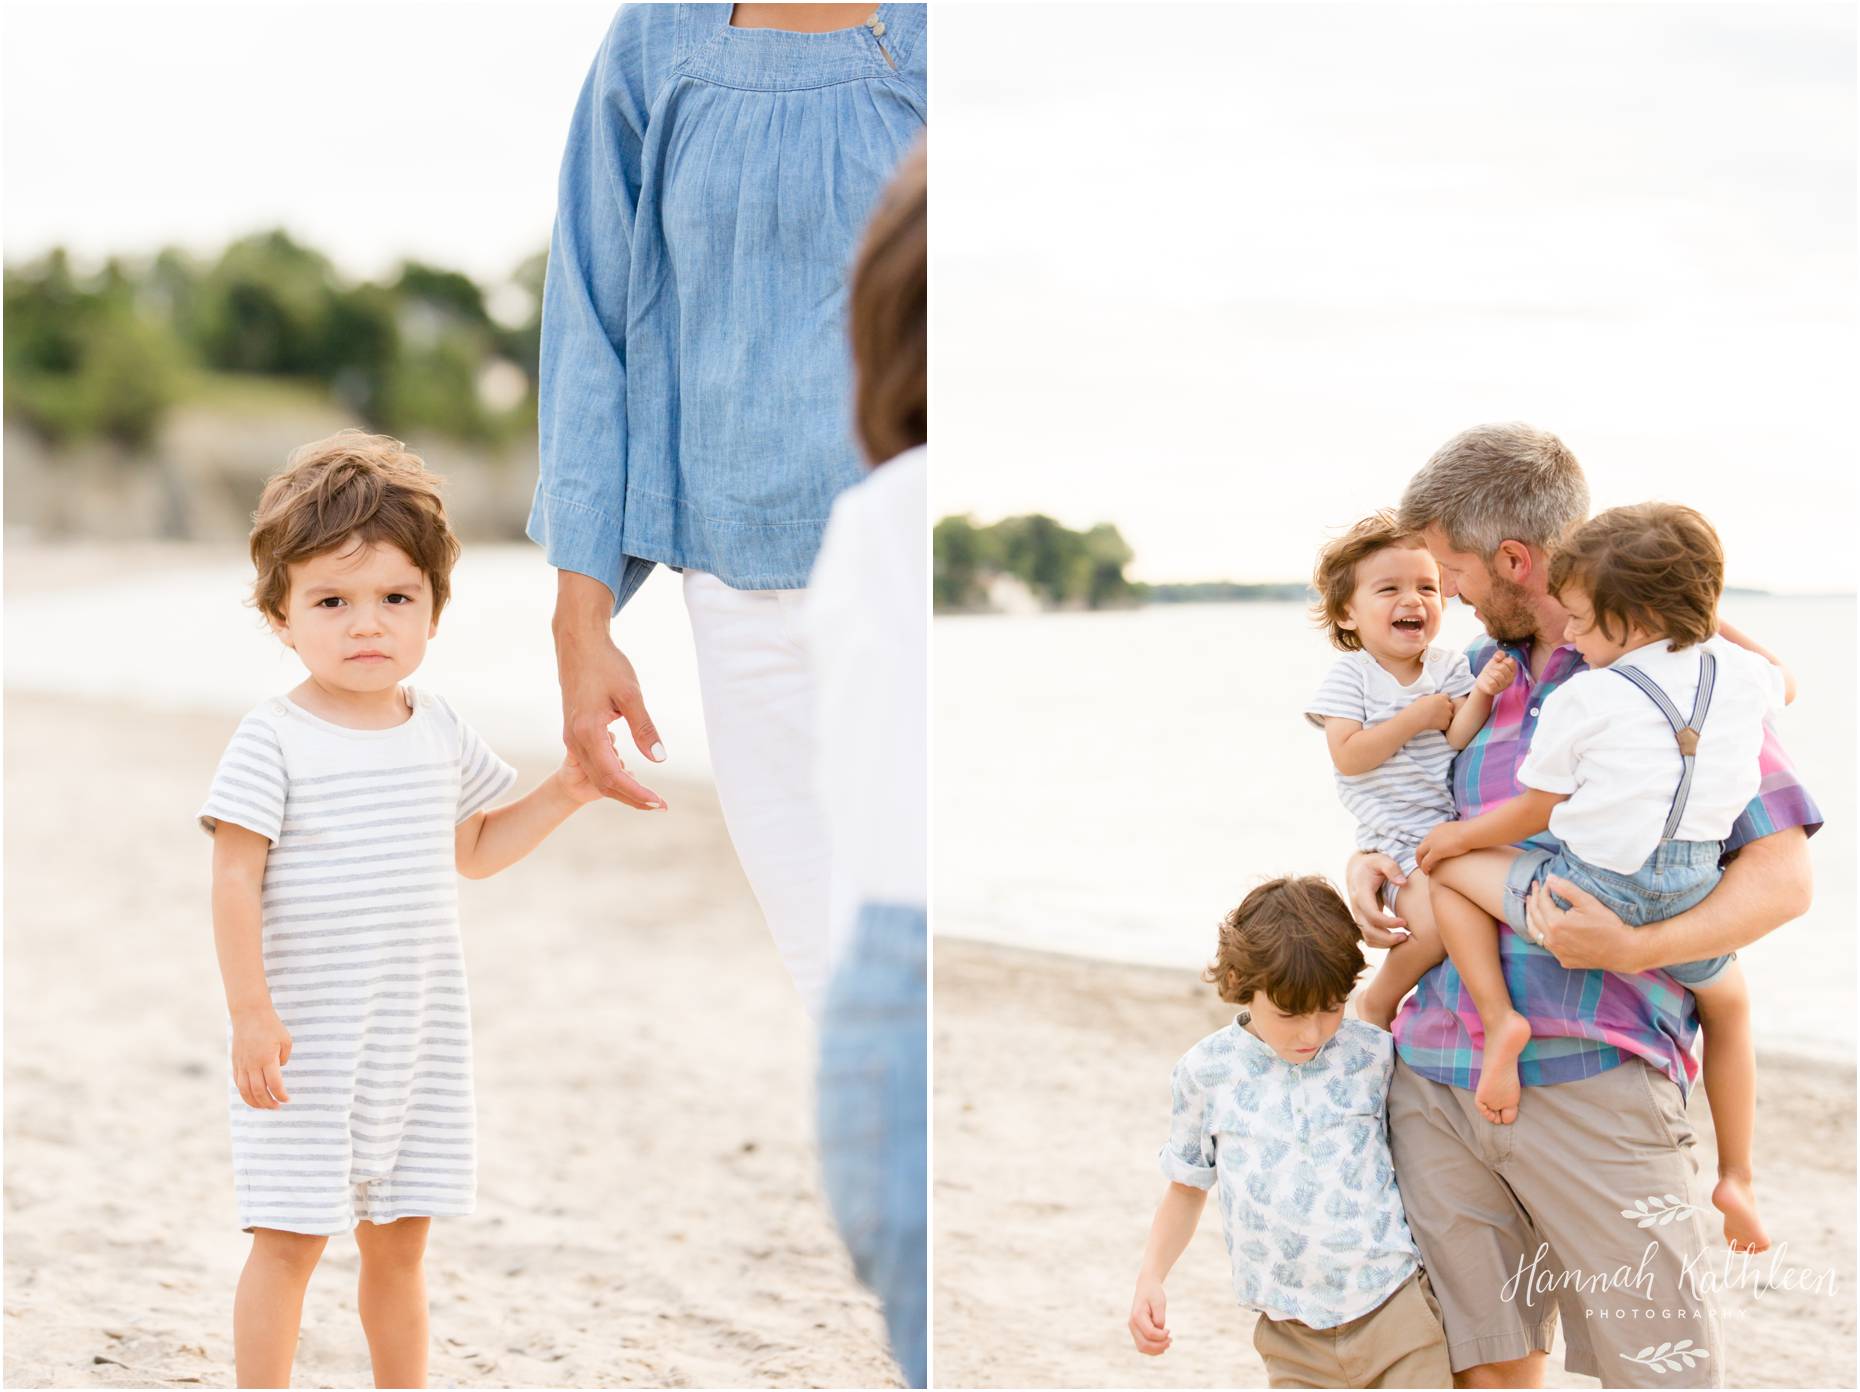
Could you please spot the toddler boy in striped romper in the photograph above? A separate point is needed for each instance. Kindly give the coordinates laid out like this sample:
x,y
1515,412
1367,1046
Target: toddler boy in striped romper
x,y
342,814
1394,709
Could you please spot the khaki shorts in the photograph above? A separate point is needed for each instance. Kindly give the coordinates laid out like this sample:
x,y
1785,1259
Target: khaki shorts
x,y
1518,1222
1397,1344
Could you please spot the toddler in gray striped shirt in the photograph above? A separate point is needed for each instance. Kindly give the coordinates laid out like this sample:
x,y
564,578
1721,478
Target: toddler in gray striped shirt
x,y
1394,709
342,814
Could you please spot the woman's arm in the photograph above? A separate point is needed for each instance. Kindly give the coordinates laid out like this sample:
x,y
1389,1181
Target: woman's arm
x,y
1767,883
1170,1231
261,1046
582,426
1744,640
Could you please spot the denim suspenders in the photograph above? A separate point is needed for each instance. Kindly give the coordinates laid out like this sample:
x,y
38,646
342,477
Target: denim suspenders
x,y
1686,733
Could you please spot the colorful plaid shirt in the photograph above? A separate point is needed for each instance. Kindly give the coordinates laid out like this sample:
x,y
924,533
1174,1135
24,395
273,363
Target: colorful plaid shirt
x,y
1582,1022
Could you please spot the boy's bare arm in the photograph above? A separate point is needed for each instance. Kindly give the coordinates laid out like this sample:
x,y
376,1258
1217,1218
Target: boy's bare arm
x,y
487,842
261,1046
1170,1231
1505,825
1470,714
1744,640
1357,748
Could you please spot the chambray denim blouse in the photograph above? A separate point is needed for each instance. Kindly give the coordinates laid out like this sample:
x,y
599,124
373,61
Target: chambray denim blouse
x,y
695,402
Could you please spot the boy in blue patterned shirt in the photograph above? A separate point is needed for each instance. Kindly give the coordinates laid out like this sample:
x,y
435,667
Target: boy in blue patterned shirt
x,y
1283,1112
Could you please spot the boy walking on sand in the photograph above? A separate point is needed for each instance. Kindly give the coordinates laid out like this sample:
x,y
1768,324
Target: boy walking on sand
x,y
1283,1114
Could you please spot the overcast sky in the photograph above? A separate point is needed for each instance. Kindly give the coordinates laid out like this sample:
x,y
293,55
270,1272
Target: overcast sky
x,y
1221,274
1227,275
374,131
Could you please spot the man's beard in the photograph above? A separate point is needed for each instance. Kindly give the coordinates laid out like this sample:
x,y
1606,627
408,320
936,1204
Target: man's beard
x,y
1507,613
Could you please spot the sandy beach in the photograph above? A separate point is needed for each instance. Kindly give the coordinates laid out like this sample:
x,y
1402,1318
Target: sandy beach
x,y
1052,1097
649,1210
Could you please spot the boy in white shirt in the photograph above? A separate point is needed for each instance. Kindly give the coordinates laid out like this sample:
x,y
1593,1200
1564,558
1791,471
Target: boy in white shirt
x,y
1640,795
1284,1112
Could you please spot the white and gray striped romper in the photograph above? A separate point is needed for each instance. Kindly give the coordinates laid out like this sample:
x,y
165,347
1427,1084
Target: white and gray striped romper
x,y
362,955
1408,795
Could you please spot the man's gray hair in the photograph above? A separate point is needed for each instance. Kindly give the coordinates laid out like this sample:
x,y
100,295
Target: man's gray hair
x,y
1496,483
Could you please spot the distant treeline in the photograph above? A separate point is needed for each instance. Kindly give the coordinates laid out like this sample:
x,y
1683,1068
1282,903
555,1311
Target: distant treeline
x,y
1061,567
106,354
1210,590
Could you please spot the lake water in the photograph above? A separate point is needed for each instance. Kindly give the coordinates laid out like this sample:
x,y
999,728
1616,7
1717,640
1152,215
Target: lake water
x,y
179,638
1110,784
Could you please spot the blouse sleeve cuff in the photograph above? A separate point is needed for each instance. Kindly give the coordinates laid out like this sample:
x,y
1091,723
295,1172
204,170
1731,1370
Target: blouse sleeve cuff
x,y
579,538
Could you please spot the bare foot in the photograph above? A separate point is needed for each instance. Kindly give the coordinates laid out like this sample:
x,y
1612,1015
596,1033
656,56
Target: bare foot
x,y
1736,1198
1498,1090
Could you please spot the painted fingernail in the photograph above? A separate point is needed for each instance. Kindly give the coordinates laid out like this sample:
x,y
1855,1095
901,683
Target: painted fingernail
x,y
658,752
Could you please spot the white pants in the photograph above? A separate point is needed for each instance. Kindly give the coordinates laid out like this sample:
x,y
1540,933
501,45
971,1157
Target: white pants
x,y
756,682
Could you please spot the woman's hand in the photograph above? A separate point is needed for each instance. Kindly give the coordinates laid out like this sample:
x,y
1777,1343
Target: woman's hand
x,y
1445,841
1149,1328
599,687
1496,677
1588,935
261,1046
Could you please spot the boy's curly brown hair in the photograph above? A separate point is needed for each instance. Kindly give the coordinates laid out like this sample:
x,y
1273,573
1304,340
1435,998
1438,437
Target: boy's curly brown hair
x,y
1334,579
351,486
1292,938
1658,567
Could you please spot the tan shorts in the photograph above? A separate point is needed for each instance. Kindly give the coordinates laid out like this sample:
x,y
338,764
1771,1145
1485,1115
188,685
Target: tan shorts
x,y
1516,1222
1397,1344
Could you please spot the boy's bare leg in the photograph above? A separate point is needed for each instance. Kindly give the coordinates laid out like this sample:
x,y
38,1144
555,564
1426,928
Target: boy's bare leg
x,y
268,1309
392,1295
1468,896
1731,1087
1406,964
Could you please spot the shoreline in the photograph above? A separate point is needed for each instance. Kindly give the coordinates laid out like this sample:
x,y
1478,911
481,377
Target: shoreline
x,y
1043,1058
1831,1058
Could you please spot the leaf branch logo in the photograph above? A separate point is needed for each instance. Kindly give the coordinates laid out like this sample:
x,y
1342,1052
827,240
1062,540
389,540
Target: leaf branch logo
x,y
1668,1358
1656,1210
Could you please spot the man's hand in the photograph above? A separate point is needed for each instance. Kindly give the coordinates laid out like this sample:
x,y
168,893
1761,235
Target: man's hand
x,y
1586,935
261,1046
1442,843
1434,711
1149,1328
1496,677
599,687
1367,872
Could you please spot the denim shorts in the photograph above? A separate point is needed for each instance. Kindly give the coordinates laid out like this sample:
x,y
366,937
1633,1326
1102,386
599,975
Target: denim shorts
x,y
874,1144
1675,877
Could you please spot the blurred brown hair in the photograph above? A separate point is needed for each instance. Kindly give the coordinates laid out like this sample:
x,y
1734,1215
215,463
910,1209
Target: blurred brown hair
x,y
1335,576
1658,567
1293,939
890,339
351,486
